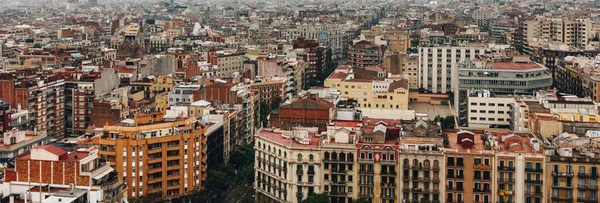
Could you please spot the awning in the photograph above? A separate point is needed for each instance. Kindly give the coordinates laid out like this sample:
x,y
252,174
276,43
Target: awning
x,y
104,173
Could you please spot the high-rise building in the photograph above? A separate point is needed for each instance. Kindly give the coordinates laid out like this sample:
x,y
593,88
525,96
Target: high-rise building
x,y
156,155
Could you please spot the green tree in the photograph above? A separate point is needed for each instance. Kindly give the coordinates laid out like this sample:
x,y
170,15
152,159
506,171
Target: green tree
x,y
217,181
360,200
239,159
317,198
264,113
37,45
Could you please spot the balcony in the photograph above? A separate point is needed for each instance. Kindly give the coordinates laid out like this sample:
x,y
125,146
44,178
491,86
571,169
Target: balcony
x,y
506,168
385,185
562,174
338,182
587,187
505,180
481,166
483,190
534,170
384,195
562,186
587,175
562,198
365,172
299,194
534,181
532,193
388,173
299,172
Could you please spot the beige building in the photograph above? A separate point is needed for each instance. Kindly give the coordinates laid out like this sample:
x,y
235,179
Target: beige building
x,y
571,32
370,90
287,166
486,109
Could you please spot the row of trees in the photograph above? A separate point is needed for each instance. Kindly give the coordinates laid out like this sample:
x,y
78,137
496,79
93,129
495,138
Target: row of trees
x,y
324,198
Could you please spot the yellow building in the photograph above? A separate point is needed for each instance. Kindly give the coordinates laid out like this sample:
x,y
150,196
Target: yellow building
x,y
154,155
370,90
397,41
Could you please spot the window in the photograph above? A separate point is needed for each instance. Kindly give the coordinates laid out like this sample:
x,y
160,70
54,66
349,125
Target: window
x,y
299,157
491,104
473,104
500,104
481,104
500,112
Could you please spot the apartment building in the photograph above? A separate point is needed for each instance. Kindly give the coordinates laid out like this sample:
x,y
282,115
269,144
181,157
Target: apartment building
x,y
469,168
306,111
550,113
47,170
574,32
572,171
421,161
288,165
42,94
364,53
339,168
314,54
16,142
520,161
228,62
370,88
269,88
438,66
579,76
183,94
156,155
80,91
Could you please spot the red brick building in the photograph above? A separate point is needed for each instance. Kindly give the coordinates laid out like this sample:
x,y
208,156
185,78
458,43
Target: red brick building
x,y
219,91
304,112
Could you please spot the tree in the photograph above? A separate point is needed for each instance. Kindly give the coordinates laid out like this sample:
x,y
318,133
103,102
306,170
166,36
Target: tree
x,y
217,181
360,200
445,122
239,159
37,45
264,113
317,198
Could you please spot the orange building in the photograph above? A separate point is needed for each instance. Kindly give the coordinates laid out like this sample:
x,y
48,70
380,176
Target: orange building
x,y
157,155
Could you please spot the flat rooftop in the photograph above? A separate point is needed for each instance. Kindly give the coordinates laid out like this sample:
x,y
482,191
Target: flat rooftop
x,y
516,66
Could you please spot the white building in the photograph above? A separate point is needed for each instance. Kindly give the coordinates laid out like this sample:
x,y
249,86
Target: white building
x,y
438,66
287,166
485,109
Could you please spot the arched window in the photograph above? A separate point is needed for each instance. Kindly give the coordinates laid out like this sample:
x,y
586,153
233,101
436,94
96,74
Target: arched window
x,y
406,162
280,152
426,164
326,155
299,157
350,157
284,154
311,157
342,156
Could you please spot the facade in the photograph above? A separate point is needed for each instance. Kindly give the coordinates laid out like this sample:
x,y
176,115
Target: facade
x,y
438,66
269,88
287,166
183,94
310,111
520,164
375,92
364,54
463,182
44,98
52,170
153,155
568,31
486,109
578,76
228,62
314,54
517,76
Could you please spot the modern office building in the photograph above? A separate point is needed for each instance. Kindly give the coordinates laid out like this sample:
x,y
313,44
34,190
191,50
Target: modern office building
x,y
485,109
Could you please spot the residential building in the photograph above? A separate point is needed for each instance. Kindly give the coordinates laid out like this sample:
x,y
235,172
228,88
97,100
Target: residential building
x,y
467,156
16,142
575,32
370,88
579,76
183,94
571,173
156,155
288,165
421,162
42,94
228,62
314,55
47,170
365,53
520,161
269,88
438,66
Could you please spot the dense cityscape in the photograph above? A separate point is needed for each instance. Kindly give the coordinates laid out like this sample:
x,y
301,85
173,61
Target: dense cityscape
x,y
307,101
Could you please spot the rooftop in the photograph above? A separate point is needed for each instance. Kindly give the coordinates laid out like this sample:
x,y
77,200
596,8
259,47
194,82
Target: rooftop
x,y
292,139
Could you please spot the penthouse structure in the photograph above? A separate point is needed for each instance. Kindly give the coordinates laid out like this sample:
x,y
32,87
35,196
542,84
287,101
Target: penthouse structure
x,y
156,155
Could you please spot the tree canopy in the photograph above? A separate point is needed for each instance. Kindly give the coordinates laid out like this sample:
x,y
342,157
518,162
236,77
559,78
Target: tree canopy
x,y
317,198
